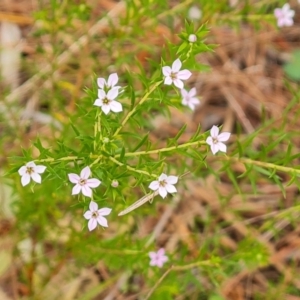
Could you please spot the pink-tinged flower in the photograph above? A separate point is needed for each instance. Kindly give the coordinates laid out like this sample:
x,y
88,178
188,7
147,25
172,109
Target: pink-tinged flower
x,y
174,75
164,185
158,258
284,15
83,183
192,38
31,171
189,99
215,140
95,215
107,101
110,83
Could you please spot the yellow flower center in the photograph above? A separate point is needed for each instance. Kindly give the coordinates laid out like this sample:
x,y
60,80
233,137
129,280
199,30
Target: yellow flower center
x,y
82,181
106,101
162,183
29,170
95,214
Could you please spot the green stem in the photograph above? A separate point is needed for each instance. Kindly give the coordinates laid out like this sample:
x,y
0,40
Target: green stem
x,y
57,159
178,268
157,151
132,169
130,113
97,128
261,164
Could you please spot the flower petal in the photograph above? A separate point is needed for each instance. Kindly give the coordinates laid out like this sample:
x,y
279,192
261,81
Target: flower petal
x,y
76,189
191,106
168,80
166,71
101,94
98,102
277,12
93,182
170,188
101,83
22,170
289,22
102,221
162,177
112,94
104,211
153,262
86,191
184,93
286,7
85,172
194,101
164,259
112,79
184,74
214,132
290,14
88,214
224,136
36,177
193,92
214,148
209,140
115,106
176,66
105,108
40,169
178,83
25,179
161,252
154,185
222,147
74,178
172,179
152,255
92,224
93,206
31,164
163,192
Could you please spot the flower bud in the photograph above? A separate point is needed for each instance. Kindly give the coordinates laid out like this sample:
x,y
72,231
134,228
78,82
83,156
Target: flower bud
x,y
115,183
105,140
192,38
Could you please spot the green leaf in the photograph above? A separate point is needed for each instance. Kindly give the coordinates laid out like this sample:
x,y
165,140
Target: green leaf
x,y
75,129
292,69
144,139
122,154
181,131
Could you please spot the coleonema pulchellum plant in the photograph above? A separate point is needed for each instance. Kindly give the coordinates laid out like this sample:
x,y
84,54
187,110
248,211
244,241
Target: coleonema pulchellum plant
x,y
114,107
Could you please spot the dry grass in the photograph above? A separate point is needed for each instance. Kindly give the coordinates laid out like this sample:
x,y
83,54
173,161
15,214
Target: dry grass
x,y
246,79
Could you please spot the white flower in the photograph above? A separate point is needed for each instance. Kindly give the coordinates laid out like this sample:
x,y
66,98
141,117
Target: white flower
x,y
158,258
95,215
110,84
30,170
107,101
164,185
284,15
82,183
189,99
192,38
173,75
216,139
194,13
